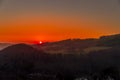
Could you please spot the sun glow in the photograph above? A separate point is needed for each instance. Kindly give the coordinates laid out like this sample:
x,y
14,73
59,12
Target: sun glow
x,y
40,42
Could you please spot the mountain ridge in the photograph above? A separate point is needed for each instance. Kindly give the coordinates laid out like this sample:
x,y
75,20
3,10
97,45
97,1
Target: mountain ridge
x,y
78,45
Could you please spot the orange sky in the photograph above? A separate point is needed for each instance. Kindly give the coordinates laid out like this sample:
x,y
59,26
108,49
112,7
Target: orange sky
x,y
48,28
50,22
52,27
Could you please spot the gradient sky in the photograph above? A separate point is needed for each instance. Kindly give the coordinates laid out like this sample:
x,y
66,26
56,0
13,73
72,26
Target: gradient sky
x,y
52,20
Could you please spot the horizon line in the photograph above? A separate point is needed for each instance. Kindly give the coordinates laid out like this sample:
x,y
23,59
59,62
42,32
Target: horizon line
x,y
45,41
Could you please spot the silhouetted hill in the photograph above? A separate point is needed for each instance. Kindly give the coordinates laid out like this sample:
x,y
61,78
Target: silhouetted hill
x,y
69,46
21,60
76,46
4,45
19,47
20,57
112,40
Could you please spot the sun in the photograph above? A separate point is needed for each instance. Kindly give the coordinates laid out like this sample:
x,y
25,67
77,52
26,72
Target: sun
x,y
40,42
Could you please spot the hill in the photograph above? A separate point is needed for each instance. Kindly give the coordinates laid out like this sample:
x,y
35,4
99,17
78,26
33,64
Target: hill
x,y
76,46
19,57
22,60
111,41
4,45
69,46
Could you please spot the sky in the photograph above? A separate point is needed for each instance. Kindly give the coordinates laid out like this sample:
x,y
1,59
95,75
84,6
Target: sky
x,y
54,20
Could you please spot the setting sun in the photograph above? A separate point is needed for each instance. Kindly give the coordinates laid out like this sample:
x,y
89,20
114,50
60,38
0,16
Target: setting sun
x,y
40,42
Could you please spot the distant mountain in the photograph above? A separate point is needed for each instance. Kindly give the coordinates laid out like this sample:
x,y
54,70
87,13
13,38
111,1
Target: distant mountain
x,y
112,40
67,46
77,46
